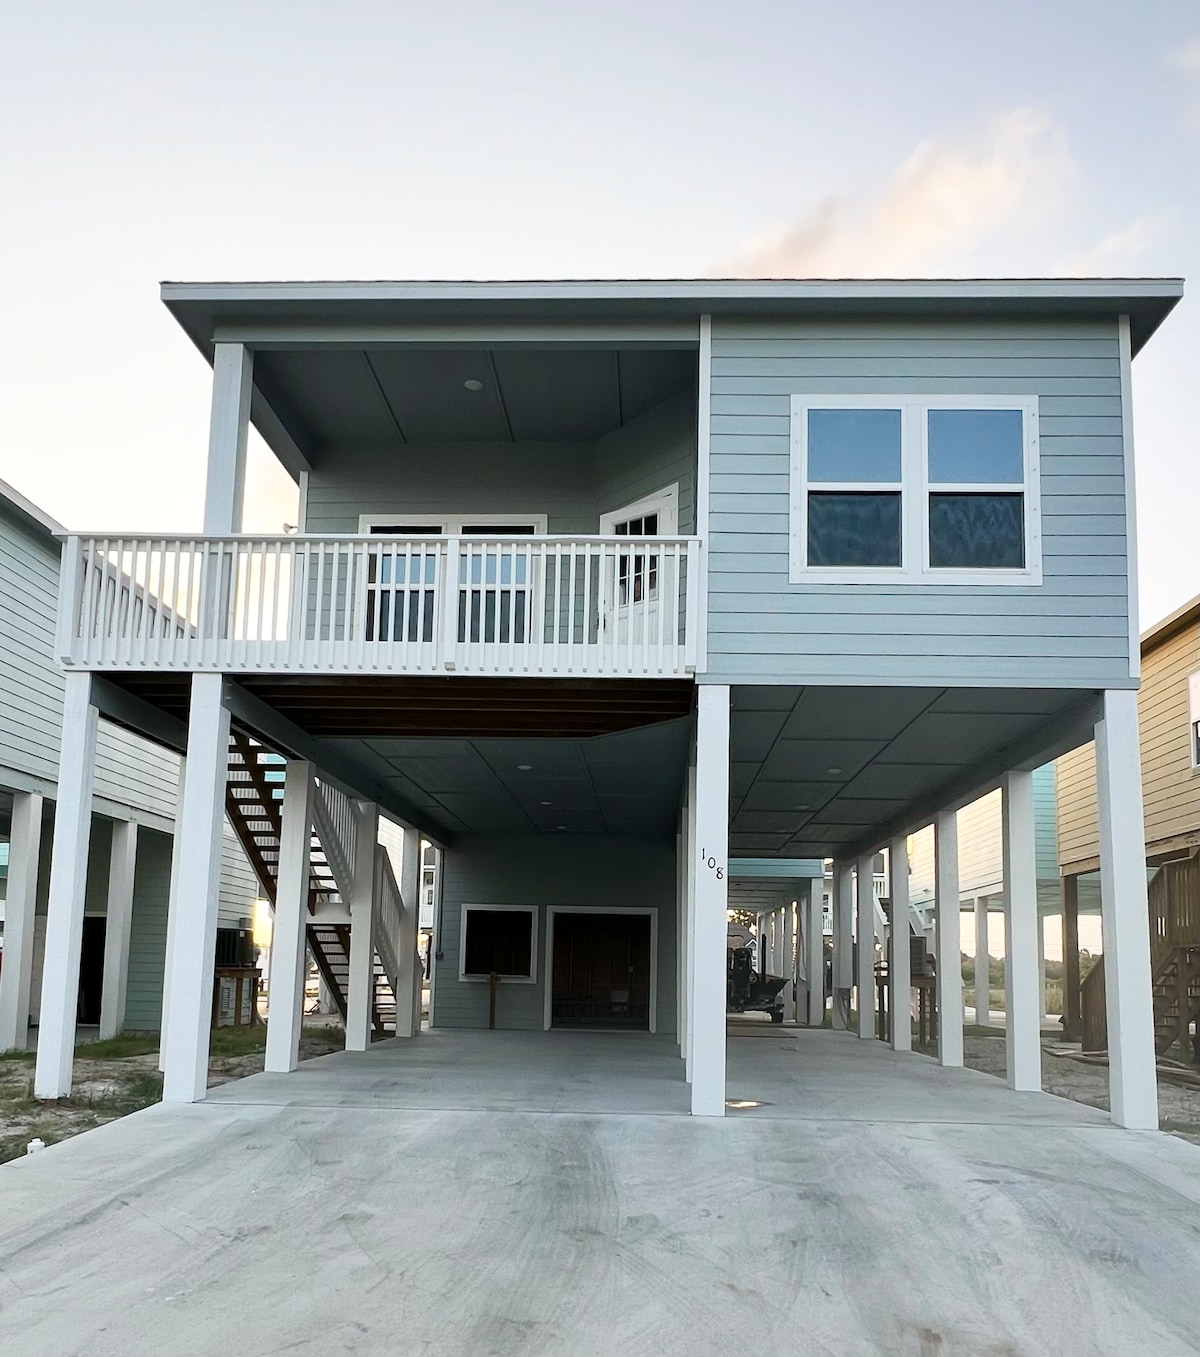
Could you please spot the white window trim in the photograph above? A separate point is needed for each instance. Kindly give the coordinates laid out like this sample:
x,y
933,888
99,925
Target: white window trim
x,y
664,502
914,568
552,910
451,525
534,959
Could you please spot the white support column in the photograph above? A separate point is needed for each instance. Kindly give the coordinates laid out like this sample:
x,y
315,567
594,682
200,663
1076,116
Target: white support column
x,y
118,922
229,425
1022,927
197,883
20,907
680,927
691,868
787,948
68,881
711,822
410,959
289,950
900,973
843,943
865,978
1132,1079
172,916
1041,957
815,942
948,940
363,879
980,995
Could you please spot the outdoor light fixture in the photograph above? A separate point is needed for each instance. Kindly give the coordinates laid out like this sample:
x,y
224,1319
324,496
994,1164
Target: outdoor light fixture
x,y
547,803
560,826
473,384
524,767
833,771
739,1103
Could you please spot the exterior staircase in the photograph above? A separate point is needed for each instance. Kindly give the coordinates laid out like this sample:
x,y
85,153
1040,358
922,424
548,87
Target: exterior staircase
x,y
254,804
1174,898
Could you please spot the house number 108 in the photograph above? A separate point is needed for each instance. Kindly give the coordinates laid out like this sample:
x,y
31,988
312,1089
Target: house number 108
x,y
711,864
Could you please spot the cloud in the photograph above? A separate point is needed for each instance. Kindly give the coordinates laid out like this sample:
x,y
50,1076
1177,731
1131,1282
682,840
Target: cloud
x,y
949,200
1118,254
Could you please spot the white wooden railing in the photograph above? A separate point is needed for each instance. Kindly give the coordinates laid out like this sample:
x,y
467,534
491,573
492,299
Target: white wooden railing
x,y
334,823
388,909
597,606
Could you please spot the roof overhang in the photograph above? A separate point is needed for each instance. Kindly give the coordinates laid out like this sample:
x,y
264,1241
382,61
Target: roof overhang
x,y
29,513
204,308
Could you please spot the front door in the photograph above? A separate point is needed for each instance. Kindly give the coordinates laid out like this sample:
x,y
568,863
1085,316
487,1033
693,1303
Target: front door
x,y
601,971
641,584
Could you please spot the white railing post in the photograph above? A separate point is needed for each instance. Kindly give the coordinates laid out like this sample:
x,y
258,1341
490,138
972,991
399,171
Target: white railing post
x,y
70,593
449,609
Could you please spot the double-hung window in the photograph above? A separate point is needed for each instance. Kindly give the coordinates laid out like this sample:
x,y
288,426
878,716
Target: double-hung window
x,y
915,489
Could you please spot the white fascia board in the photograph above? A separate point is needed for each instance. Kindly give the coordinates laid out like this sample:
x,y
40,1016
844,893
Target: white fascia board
x,y
692,290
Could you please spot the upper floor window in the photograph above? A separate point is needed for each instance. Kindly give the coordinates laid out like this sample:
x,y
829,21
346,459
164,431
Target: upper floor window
x,y
915,489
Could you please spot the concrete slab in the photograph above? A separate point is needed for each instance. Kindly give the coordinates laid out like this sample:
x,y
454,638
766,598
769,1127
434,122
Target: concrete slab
x,y
624,1072
367,1229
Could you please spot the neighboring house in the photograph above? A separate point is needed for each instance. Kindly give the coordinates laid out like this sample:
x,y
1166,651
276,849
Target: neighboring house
x,y
131,816
614,592
1169,716
981,868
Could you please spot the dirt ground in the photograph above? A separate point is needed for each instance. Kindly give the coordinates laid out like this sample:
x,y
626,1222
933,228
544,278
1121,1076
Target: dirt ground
x,y
114,1078
1178,1104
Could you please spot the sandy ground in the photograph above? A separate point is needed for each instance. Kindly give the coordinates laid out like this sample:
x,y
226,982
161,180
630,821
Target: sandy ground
x,y
1178,1104
105,1089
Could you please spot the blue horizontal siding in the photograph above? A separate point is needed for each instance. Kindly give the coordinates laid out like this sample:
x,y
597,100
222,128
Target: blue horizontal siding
x,y
1072,629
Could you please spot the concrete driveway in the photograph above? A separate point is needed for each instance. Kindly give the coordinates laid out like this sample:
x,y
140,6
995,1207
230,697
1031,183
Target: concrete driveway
x,y
872,1205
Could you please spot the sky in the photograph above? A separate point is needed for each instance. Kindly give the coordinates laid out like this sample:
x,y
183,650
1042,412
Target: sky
x,y
521,138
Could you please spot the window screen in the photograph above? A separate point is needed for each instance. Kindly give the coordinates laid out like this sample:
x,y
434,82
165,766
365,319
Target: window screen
x,y
499,940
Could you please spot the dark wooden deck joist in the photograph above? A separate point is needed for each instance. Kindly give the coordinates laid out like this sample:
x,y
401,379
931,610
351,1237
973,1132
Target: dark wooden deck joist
x,y
364,707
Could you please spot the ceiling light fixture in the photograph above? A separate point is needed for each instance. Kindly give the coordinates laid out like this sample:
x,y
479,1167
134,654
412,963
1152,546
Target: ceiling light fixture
x,y
524,767
473,384
547,803
833,772
560,826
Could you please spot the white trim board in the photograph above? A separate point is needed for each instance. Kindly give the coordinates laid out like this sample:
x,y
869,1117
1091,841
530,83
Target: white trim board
x,y
451,524
664,502
552,910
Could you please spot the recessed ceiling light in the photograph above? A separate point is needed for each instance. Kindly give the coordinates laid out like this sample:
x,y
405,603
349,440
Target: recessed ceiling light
x,y
547,803
740,1103
804,807
560,826
833,771
524,767
473,384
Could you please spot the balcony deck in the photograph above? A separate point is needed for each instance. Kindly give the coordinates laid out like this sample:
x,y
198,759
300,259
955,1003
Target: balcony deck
x,y
575,607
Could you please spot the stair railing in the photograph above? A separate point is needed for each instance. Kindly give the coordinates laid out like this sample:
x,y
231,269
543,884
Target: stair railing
x,y
388,908
333,820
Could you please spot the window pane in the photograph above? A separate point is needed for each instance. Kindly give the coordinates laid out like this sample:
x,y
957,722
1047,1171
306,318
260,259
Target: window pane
x,y
977,531
499,940
976,446
854,445
853,528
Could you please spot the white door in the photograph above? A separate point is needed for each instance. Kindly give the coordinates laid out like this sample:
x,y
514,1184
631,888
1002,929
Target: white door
x,y
643,579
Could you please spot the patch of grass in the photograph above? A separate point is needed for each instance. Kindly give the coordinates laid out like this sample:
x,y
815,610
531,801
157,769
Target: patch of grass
x,y
19,1057
131,1094
118,1047
237,1040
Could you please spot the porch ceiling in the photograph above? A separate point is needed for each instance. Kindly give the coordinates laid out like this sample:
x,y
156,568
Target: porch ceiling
x,y
328,397
820,771
624,783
